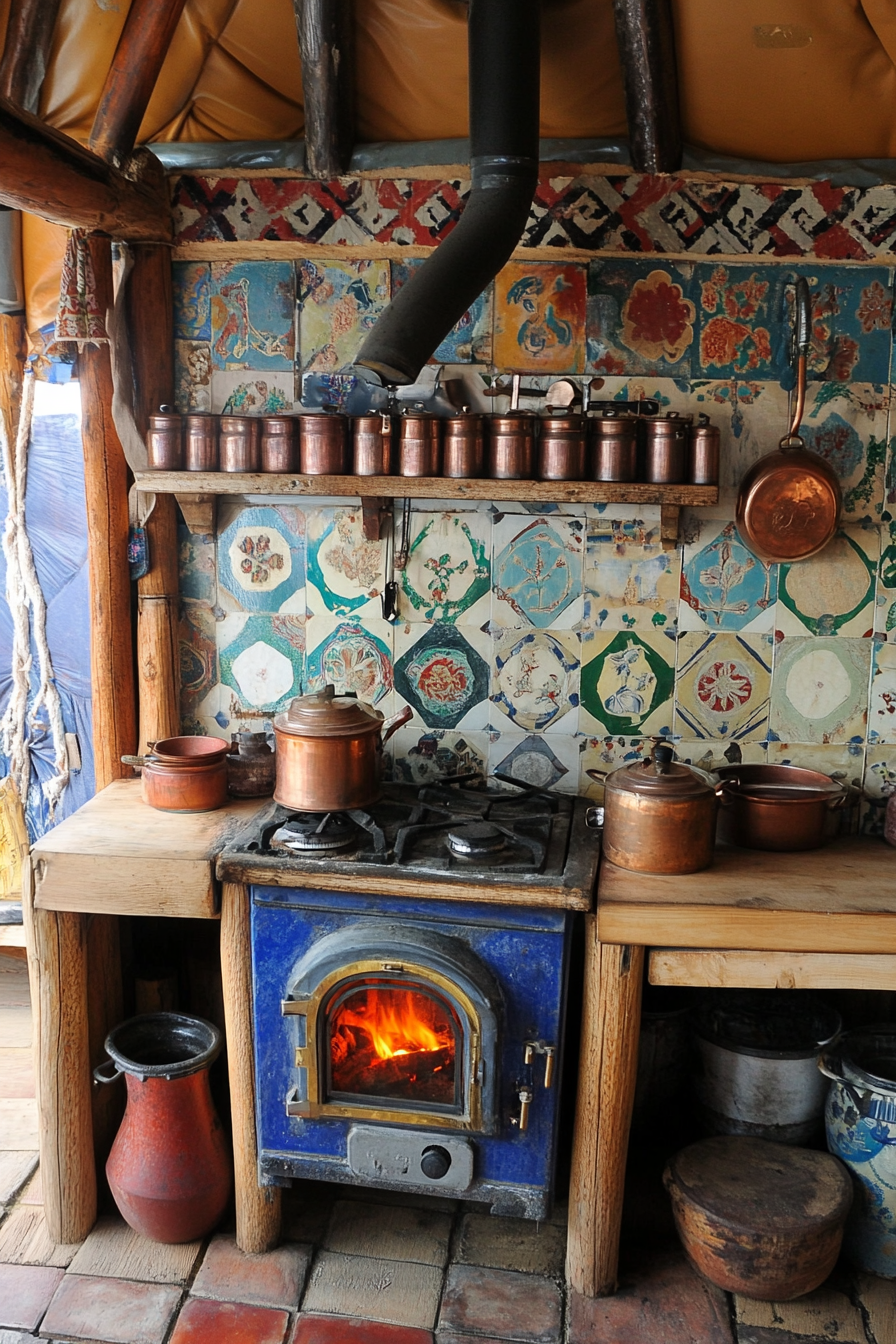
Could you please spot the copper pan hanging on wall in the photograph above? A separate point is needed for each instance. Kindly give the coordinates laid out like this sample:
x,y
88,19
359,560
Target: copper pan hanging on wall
x,y
789,502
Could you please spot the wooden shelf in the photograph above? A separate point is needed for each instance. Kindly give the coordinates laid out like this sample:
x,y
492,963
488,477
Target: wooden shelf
x,y
196,491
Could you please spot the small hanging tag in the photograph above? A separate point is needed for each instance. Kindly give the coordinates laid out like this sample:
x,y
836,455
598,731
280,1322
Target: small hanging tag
x,y
138,553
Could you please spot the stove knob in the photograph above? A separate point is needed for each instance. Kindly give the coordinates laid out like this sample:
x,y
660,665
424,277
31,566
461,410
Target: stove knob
x,y
435,1162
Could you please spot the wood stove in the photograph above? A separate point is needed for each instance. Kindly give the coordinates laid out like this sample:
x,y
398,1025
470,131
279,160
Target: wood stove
x,y
409,988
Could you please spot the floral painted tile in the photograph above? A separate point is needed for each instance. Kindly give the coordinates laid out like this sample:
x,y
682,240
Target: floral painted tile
x,y
532,759
339,302
724,586
751,416
606,754
820,690
353,657
536,679
641,317
260,559
537,574
447,576
420,757
627,683
470,340
443,671
198,655
192,376
631,581
885,602
345,571
846,423
833,592
239,393
262,659
253,315
540,311
722,685
196,565
878,786
882,696
191,287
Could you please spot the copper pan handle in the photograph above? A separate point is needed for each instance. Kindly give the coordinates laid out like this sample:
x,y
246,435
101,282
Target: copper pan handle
x,y
802,341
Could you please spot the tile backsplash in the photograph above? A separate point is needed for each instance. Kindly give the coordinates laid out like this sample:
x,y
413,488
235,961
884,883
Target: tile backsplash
x,y
546,640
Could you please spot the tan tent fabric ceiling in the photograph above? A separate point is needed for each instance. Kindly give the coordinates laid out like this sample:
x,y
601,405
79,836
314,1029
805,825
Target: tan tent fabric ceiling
x,y
781,80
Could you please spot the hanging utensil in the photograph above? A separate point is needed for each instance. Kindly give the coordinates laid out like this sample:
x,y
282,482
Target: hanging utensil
x,y
390,587
789,503
404,546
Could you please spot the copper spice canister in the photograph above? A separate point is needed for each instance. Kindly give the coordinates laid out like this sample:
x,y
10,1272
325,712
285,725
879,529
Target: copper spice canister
x,y
703,465
614,447
372,445
323,444
511,446
463,448
164,441
201,442
420,445
561,448
666,453
239,443
278,443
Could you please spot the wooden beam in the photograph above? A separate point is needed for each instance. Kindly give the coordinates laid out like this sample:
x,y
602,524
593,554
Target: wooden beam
x,y
646,40
51,175
327,49
724,968
29,37
136,65
106,488
12,363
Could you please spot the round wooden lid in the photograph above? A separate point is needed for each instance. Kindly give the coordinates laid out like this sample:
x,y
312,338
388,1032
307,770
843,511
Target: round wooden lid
x,y
757,1186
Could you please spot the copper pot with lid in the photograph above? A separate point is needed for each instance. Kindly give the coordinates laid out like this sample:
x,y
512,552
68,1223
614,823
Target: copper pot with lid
x,y
420,444
614,454
561,448
511,446
666,450
659,815
330,750
463,447
323,444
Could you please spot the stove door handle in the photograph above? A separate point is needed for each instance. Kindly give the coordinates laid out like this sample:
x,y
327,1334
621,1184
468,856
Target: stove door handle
x,y
525,1095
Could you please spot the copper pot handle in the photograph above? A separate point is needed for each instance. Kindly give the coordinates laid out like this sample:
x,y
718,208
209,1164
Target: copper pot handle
x,y
802,341
390,725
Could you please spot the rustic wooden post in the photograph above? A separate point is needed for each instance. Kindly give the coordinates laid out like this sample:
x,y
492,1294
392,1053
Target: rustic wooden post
x,y
257,1208
608,1065
29,36
326,44
646,40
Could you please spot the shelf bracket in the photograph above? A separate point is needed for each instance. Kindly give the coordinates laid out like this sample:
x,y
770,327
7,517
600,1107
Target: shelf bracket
x,y
199,512
373,510
669,519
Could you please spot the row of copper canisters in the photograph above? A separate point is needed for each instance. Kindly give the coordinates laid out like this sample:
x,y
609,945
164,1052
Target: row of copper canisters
x,y
667,449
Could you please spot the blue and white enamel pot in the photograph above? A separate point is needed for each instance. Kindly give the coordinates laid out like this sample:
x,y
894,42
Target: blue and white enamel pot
x,y
860,1119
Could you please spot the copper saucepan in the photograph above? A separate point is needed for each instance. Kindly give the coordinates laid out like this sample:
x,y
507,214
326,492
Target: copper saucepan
x,y
789,502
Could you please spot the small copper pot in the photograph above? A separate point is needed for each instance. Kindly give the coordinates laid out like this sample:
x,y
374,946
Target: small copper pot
x,y
614,448
164,442
463,448
372,445
323,444
420,445
666,454
561,448
703,458
278,443
201,442
511,446
780,807
239,443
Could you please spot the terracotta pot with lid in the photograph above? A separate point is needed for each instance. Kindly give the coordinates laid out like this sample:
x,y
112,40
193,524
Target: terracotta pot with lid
x,y
659,815
330,751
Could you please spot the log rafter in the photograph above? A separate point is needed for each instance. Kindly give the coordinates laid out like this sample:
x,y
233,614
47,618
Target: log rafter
x,y
136,65
326,46
29,37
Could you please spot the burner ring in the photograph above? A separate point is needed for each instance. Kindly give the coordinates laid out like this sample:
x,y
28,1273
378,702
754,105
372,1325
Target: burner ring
x,y
315,833
476,839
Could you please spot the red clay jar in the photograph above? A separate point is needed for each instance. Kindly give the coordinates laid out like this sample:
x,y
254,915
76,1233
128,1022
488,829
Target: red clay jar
x,y
170,1168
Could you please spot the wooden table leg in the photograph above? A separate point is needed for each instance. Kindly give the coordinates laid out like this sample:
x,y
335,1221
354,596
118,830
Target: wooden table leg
x,y
608,1065
57,968
257,1208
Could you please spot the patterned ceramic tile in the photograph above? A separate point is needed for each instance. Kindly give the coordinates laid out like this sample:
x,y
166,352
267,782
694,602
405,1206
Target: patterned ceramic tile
x,y
192,376
198,653
627,682
712,754
421,757
443,671
741,312
723,585
547,762
882,695
340,302
885,607
878,786
260,558
353,657
470,341
448,570
262,659
605,754
833,592
540,317
536,679
846,423
253,315
191,285
345,572
641,317
537,574
631,582
820,690
196,565
238,393
845,760
722,685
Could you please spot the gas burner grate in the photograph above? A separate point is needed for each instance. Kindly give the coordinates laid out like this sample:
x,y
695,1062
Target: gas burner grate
x,y
316,833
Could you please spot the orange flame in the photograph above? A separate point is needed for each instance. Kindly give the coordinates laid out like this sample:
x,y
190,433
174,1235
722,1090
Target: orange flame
x,y
397,1022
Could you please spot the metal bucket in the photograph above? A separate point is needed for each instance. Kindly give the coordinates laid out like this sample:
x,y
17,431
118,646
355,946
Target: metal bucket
x,y
758,1072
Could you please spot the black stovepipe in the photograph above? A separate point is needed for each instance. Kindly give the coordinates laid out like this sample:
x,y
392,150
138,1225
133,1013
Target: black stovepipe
x,y
504,51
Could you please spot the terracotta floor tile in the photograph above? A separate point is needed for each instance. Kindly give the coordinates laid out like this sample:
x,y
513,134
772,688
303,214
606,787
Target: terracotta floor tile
x,y
25,1294
374,1290
387,1232
206,1322
274,1279
659,1299
114,1311
512,1243
502,1303
341,1330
